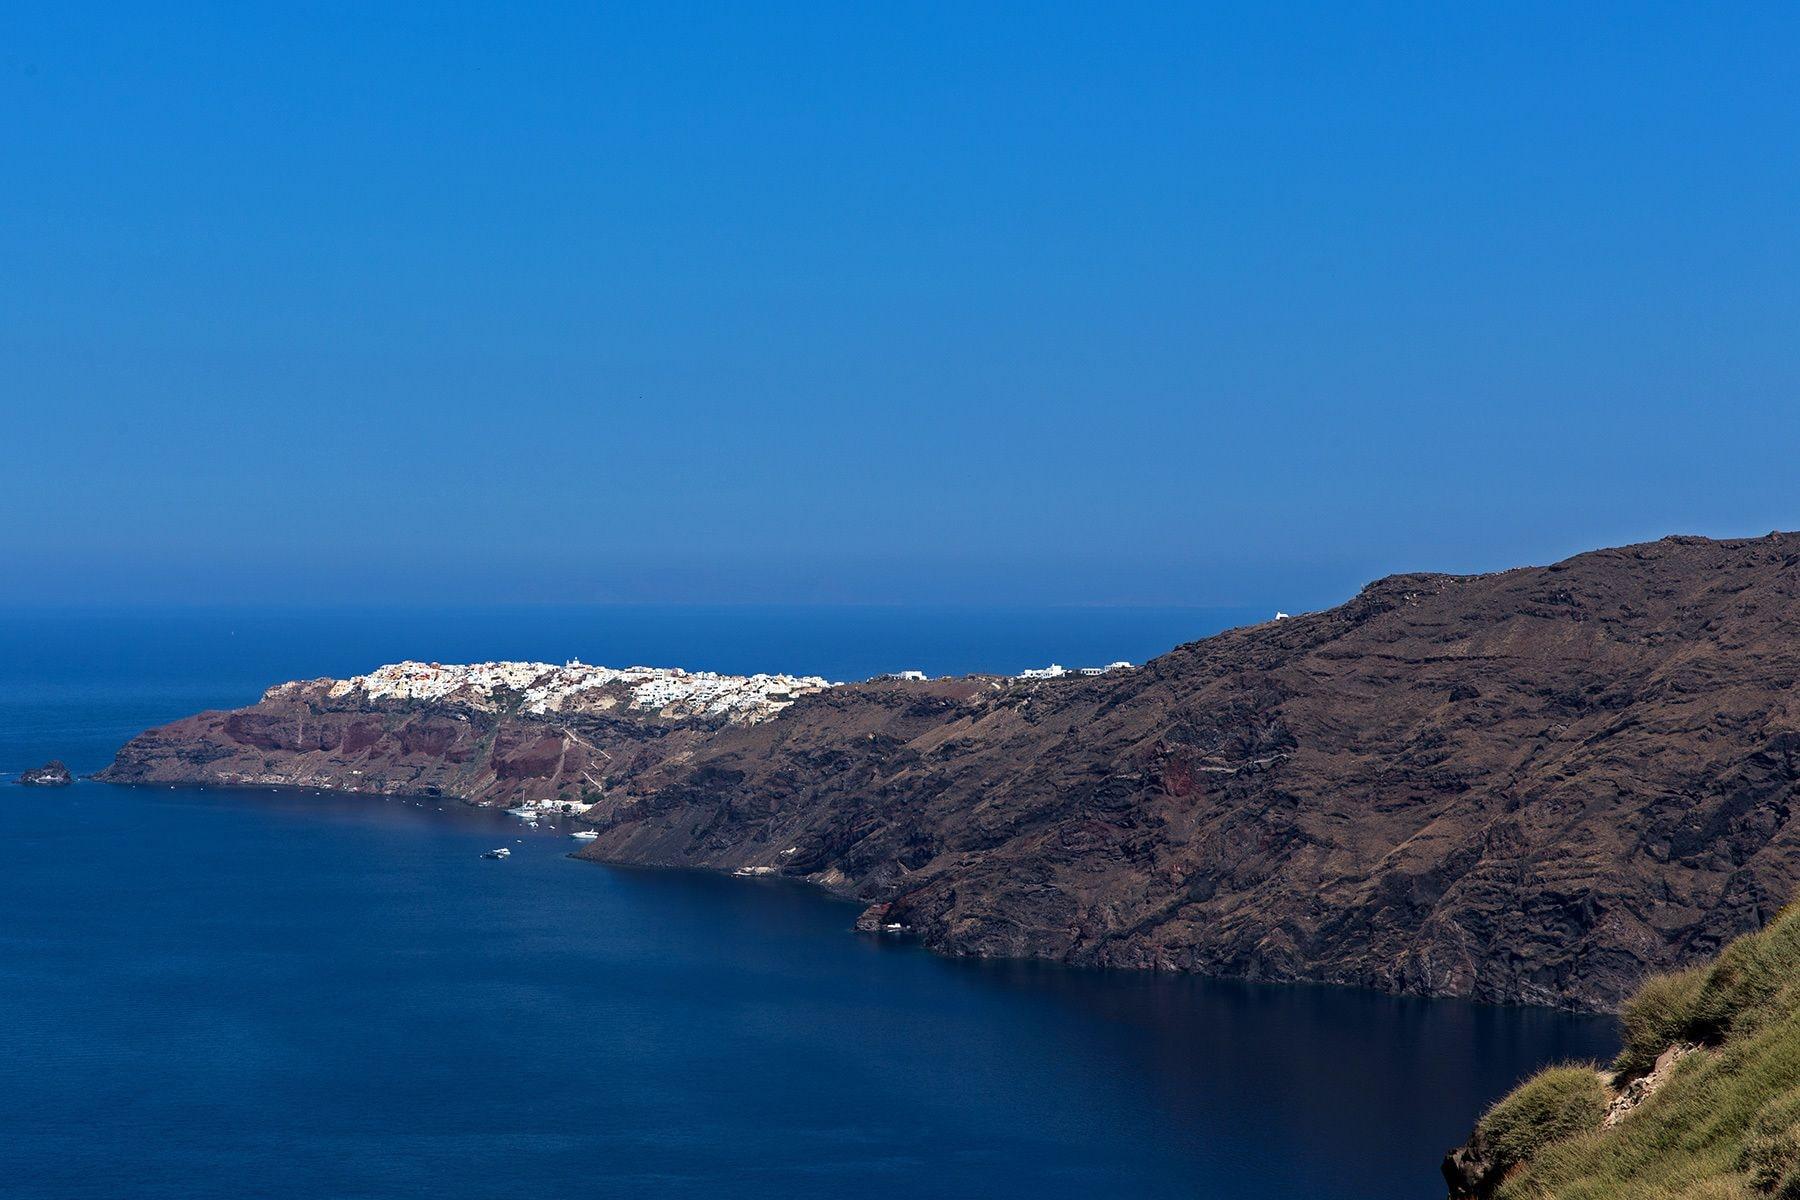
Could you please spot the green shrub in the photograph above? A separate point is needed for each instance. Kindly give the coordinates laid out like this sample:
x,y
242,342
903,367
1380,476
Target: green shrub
x,y
1747,976
1770,1158
1556,1103
1659,1015
1724,1126
1713,1189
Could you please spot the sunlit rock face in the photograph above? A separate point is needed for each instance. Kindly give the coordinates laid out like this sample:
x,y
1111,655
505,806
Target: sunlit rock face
x,y
1534,785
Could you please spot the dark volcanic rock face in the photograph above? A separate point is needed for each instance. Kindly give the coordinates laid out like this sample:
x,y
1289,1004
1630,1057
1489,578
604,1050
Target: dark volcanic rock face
x,y
52,774
1534,785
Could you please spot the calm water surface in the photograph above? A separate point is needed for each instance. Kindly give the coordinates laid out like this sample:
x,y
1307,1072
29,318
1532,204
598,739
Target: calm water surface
x,y
211,994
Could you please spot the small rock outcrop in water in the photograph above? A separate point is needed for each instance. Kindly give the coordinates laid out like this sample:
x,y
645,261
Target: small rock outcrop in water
x,y
51,774
1537,785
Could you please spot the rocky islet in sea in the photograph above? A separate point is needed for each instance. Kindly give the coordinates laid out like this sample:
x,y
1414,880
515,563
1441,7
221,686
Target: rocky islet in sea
x,y
52,774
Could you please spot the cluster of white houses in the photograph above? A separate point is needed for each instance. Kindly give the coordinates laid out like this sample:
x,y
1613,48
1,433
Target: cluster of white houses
x,y
575,687
1054,670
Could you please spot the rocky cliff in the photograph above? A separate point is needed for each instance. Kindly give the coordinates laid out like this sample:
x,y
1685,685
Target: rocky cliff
x,y
54,773
487,733
1534,785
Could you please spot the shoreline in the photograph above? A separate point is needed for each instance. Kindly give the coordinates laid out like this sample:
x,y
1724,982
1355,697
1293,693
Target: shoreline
x,y
847,899
1446,786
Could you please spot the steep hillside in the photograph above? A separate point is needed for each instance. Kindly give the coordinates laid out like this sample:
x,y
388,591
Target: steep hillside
x,y
1535,785
1702,1104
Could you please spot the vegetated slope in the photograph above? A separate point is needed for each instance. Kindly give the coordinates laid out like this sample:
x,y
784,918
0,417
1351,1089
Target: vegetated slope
x,y
1702,1104
1535,785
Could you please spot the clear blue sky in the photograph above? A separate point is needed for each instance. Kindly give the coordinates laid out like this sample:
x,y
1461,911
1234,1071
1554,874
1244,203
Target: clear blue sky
x,y
885,302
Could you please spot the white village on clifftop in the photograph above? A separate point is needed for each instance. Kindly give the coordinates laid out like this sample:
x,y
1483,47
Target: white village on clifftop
x,y
576,687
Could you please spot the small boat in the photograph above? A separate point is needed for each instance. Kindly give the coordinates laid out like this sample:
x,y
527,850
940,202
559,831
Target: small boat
x,y
585,835
502,852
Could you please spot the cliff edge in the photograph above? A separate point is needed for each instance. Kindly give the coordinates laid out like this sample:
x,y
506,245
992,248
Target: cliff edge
x,y
1537,785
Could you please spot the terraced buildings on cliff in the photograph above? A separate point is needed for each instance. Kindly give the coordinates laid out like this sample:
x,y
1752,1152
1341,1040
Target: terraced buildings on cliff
x,y
541,689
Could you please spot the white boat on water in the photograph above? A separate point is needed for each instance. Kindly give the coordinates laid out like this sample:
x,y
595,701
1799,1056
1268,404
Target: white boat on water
x,y
521,812
585,835
501,852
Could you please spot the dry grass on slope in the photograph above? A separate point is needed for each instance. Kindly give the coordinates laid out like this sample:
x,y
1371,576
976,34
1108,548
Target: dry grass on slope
x,y
1725,1125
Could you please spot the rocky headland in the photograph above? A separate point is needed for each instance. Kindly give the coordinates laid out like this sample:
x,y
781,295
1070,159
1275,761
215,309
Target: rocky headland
x,y
1536,785
486,733
52,774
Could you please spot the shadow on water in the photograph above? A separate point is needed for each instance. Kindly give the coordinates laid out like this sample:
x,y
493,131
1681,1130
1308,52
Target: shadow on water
x,y
337,996
1322,1090
218,994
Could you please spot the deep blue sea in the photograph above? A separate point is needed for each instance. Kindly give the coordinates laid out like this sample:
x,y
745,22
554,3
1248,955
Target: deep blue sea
x,y
253,994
